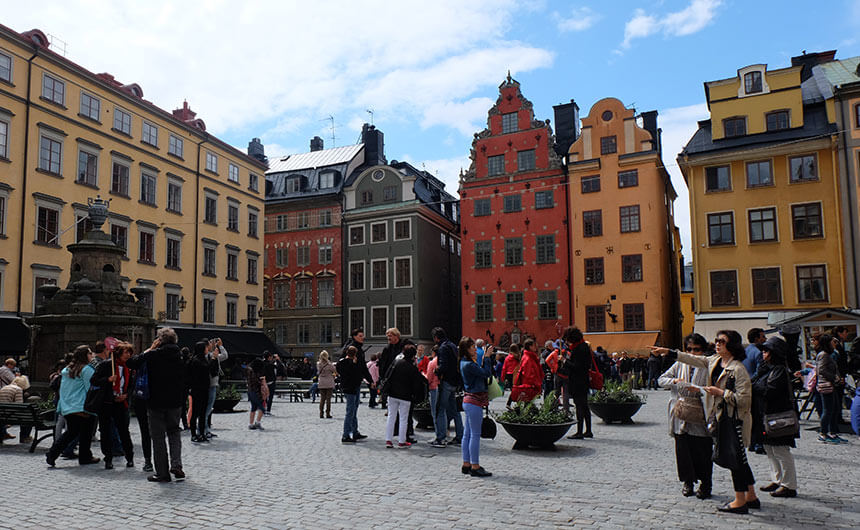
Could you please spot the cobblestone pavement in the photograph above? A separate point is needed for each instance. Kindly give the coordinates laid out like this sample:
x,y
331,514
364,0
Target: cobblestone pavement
x,y
296,474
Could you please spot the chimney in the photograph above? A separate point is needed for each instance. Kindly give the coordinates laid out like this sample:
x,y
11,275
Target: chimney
x,y
185,113
649,123
566,126
316,144
256,150
808,60
374,145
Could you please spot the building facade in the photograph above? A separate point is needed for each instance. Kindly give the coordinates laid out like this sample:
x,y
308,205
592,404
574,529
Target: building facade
x,y
515,266
625,283
185,205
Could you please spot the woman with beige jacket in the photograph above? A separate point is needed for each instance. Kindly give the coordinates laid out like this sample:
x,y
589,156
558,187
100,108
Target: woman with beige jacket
x,y
729,391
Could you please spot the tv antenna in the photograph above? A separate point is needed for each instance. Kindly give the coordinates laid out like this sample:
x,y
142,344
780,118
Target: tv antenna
x,y
331,120
370,111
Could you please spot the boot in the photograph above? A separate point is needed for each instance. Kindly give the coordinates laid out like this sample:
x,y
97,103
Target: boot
x,y
588,427
578,435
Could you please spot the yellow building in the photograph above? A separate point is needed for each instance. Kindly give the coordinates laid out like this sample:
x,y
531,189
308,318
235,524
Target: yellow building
x,y
764,200
184,204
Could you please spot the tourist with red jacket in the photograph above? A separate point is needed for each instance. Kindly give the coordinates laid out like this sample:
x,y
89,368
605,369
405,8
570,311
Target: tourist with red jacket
x,y
512,362
529,376
113,375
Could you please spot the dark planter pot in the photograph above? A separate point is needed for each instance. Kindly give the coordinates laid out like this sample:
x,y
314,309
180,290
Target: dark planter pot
x,y
423,418
615,412
536,435
224,405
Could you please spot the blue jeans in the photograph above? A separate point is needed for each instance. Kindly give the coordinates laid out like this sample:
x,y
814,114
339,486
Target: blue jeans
x,y
472,433
829,418
213,390
434,399
350,419
446,409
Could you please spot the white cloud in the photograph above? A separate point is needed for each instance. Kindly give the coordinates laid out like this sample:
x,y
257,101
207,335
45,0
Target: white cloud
x,y
580,19
679,23
464,116
446,169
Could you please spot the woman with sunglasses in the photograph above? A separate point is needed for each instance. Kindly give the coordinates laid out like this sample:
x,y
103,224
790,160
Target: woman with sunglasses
x,y
693,444
729,392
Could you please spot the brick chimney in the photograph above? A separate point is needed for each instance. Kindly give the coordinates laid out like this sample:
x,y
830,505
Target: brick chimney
x,y
185,113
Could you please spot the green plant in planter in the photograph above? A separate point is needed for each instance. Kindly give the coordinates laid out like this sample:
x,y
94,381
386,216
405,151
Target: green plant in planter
x,y
613,392
424,404
549,413
44,405
228,392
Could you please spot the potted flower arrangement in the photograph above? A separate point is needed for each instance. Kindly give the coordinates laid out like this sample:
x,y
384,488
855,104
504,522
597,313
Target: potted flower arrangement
x,y
536,426
616,402
422,416
226,398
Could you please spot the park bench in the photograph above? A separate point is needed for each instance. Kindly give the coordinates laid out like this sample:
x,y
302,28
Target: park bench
x,y
27,414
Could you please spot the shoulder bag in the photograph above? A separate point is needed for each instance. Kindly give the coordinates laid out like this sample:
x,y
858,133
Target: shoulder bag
x,y
595,378
689,407
494,389
780,424
141,383
728,444
488,426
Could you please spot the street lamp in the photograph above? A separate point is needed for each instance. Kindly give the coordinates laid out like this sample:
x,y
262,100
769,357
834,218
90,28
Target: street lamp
x,y
182,303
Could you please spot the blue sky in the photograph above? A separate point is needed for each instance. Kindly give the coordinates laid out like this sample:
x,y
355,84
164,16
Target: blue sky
x,y
278,70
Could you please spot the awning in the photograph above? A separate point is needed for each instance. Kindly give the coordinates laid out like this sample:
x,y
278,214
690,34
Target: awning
x,y
631,341
16,336
251,342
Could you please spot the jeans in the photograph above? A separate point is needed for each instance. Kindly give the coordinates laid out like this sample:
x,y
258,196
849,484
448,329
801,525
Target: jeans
x,y
446,410
829,416
372,393
199,401
472,433
213,391
114,416
80,427
434,399
397,409
350,419
164,427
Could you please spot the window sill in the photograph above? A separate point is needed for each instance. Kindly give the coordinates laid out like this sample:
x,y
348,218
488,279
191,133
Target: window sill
x,y
511,211
764,242
86,184
210,223
51,173
7,82
208,275
145,262
4,236
759,186
808,238
174,155
168,267
154,146
252,283
4,159
231,181
114,129
236,230
171,210
708,192
803,181
88,118
207,170
255,190
43,244
545,207
813,301
253,235
721,245
150,204
118,194
630,281
232,279
125,258
54,103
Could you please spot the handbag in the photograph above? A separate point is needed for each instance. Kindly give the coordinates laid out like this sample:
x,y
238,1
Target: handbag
x,y
141,384
494,390
689,409
595,378
728,444
94,399
488,426
781,424
824,387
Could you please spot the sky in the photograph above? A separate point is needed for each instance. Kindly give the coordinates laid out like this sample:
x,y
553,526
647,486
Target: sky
x,y
426,73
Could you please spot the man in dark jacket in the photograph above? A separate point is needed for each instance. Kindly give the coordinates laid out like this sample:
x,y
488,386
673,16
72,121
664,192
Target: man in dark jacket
x,y
356,339
350,373
166,394
272,369
450,381
387,357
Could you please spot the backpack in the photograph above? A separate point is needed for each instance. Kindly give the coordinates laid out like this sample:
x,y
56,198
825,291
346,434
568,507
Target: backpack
x,y
141,384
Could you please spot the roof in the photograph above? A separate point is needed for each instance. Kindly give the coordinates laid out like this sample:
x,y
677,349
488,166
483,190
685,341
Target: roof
x,y
314,159
839,72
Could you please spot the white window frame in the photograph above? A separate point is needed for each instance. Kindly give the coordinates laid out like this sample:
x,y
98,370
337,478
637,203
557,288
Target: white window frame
x,y
11,67
211,162
98,104
169,236
148,132
92,152
206,196
42,273
172,181
56,81
233,171
123,224
254,278
46,134
328,247
363,274
4,209
53,205
235,255
4,145
256,224
233,205
175,145
363,235
168,291
253,182
400,258
127,165
363,317
387,322
381,260
411,319
327,175
319,292
394,232
214,249
143,174
119,115
383,223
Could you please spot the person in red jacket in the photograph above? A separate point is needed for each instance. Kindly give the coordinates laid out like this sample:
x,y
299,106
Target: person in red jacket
x,y
512,362
529,376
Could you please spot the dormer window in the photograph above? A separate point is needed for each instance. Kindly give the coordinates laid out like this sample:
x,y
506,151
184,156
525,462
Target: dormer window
x,y
735,126
752,82
294,185
326,180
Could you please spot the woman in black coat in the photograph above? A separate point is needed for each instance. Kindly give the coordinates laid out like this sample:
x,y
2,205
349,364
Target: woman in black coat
x,y
772,389
580,359
403,387
198,384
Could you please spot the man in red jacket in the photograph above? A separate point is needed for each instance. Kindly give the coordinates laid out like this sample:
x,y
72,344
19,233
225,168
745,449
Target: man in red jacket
x,y
529,376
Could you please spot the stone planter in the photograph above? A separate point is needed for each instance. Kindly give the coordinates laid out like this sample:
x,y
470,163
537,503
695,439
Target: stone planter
x,y
541,436
615,412
224,405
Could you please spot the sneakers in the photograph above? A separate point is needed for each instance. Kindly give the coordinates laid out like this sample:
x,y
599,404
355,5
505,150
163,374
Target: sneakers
x,y
156,478
347,440
441,444
389,445
178,473
836,438
826,439
455,441
147,467
359,436
404,445
251,427
259,427
412,440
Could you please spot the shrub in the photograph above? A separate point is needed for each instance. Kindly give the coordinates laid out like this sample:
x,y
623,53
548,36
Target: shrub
x,y
616,393
527,412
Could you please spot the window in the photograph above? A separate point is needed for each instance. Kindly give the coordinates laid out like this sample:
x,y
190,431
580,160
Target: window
x,y
776,121
379,274
82,226
251,313
721,228
281,223
90,106
53,89
806,220
443,240
209,310
378,232
590,183
50,155
356,276
545,249
231,312
293,185
122,121
629,218
735,127
356,318
379,321
366,197
812,283
282,295
210,210
803,168
595,318
119,235
403,319
544,199
389,193
631,268
547,305
281,333
325,296
147,247
232,266
147,189
253,182
718,178
767,288
634,317
119,179
149,134
514,306
252,269
592,223
402,229
326,180
593,271
172,306
233,173
762,225
173,253
628,179
752,82
303,255
495,165
608,145
302,220
482,207
175,145
5,68
724,288
526,160
402,272
211,162
4,139
759,173
88,168
325,218
857,115
47,228
324,254
303,333
232,217
2,225
303,294
483,254
513,251
484,308
513,203
356,235
282,257
509,122
209,261
174,196
326,332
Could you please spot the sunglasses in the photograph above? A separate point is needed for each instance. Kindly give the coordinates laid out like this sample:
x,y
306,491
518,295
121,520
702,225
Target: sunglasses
x,y
720,341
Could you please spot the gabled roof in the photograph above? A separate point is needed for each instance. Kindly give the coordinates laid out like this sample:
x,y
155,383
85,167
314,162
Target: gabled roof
x,y
314,159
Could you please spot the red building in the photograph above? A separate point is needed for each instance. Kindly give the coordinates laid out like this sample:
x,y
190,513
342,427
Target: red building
x,y
515,263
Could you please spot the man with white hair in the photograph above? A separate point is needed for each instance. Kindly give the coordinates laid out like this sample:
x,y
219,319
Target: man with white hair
x,y
14,393
479,347
7,372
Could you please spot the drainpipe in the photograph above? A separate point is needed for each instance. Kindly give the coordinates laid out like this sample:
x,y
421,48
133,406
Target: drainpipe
x,y
345,327
24,184
840,236
567,191
852,202
196,235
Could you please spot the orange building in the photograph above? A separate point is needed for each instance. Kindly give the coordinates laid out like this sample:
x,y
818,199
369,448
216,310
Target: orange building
x,y
625,283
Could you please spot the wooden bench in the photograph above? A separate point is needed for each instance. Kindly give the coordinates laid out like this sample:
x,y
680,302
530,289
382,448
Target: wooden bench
x,y
27,414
